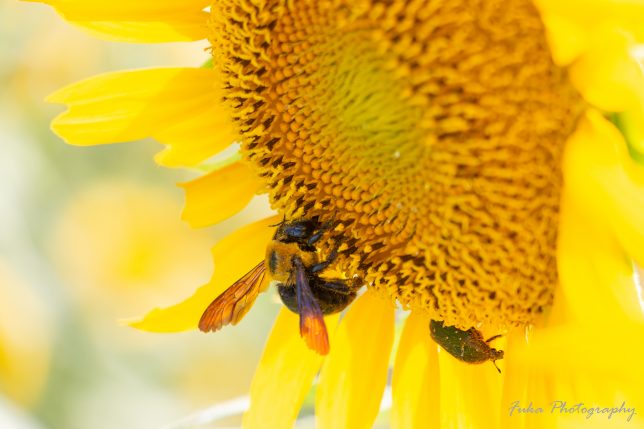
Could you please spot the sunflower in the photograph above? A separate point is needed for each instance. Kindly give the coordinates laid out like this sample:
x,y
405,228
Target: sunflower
x,y
481,163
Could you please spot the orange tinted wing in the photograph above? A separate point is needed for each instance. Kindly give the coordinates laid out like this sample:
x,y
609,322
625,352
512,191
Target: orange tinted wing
x,y
312,326
233,304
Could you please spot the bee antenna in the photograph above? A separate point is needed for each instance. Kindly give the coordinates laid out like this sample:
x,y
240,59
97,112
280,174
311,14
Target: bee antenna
x,y
282,222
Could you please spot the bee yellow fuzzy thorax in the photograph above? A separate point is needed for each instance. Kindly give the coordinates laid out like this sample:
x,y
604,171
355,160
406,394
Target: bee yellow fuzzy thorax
x,y
432,132
279,260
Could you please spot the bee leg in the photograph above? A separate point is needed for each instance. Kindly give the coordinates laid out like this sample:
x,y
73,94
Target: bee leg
x,y
337,286
315,237
493,338
323,265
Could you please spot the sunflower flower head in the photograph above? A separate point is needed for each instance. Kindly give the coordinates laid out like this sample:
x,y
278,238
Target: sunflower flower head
x,y
461,151
433,133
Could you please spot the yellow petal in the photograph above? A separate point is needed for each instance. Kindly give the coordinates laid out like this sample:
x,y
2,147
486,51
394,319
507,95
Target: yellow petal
x,y
141,21
625,14
595,275
127,8
606,183
354,373
234,256
525,387
168,103
607,75
220,194
196,138
415,383
284,374
470,395
607,349
515,387
575,362
183,28
572,24
566,38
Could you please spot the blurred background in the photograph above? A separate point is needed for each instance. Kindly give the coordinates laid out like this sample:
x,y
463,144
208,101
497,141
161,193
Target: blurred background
x,y
89,236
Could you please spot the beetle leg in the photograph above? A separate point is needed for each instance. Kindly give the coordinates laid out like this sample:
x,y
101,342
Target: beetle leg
x,y
493,338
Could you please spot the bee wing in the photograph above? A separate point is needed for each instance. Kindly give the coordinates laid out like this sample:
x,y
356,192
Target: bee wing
x,y
233,304
312,326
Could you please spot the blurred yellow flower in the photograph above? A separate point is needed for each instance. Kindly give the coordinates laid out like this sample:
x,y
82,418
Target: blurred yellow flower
x,y
464,151
25,339
120,247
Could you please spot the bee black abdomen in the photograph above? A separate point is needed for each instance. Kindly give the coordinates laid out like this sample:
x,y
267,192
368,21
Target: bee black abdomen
x,y
330,301
333,296
288,294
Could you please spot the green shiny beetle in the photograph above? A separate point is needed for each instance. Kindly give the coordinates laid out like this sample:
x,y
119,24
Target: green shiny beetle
x,y
467,346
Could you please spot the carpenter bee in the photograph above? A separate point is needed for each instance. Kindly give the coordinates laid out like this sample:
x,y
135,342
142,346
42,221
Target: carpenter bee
x,y
293,263
467,346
